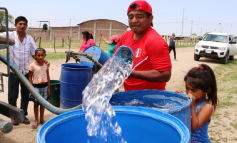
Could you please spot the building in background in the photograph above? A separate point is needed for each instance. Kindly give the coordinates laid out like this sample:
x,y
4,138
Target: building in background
x,y
106,26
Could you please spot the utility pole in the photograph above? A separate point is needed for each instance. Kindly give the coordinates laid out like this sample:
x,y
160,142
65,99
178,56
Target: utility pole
x,y
182,23
70,22
230,27
191,28
220,27
201,32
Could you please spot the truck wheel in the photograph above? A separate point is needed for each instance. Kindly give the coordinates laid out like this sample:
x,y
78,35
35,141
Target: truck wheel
x,y
231,57
196,57
225,59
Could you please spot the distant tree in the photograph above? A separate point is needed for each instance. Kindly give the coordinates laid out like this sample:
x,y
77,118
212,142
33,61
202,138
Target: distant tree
x,y
193,36
3,20
205,34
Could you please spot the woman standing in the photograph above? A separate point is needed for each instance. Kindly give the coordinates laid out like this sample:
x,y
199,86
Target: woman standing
x,y
87,41
112,44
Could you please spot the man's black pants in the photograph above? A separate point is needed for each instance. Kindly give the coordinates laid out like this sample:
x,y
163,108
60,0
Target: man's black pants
x,y
172,48
13,91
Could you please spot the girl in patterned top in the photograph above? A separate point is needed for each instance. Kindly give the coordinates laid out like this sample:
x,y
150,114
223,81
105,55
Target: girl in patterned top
x,y
201,87
39,77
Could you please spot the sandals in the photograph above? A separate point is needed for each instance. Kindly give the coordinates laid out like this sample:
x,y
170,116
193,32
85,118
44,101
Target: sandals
x,y
34,126
42,122
26,121
14,122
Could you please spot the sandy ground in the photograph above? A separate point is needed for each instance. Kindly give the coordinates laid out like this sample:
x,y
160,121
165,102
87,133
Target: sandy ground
x,y
24,134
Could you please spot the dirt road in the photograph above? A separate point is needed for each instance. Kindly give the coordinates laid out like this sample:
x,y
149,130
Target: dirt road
x,y
24,133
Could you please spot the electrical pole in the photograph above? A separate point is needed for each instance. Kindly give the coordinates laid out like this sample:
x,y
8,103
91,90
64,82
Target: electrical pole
x,y
182,23
70,22
220,27
201,32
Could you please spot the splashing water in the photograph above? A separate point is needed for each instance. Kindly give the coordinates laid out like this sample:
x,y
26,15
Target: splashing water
x,y
102,125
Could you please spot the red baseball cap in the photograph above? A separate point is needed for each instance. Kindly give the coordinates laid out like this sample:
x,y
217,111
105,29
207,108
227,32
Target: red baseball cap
x,y
142,5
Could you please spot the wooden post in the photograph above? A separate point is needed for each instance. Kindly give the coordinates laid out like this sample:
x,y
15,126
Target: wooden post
x,y
62,42
39,42
54,45
69,43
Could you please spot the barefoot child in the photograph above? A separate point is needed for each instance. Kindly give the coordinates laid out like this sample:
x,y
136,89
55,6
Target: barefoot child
x,y
200,83
39,77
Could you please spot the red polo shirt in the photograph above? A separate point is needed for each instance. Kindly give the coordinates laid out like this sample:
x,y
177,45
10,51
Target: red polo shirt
x,y
153,46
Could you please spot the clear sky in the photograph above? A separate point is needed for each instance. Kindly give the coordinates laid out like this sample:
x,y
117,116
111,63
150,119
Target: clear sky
x,y
207,15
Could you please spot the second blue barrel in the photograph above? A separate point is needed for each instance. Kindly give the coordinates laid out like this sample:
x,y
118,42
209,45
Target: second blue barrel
x,y
98,54
74,79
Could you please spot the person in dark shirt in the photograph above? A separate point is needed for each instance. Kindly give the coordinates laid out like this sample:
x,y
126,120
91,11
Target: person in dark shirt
x,y
172,45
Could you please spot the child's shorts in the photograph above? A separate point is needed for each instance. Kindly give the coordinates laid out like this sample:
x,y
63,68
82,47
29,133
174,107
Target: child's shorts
x,y
42,91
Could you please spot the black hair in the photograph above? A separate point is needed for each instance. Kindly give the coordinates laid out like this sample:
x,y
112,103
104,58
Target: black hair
x,y
114,43
202,77
21,18
133,6
86,33
40,49
90,36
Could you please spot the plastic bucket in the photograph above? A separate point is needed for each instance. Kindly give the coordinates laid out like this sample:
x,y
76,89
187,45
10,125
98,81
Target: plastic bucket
x,y
74,79
54,97
170,102
97,54
139,125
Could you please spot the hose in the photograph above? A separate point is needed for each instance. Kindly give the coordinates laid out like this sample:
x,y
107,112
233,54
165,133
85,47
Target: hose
x,y
29,86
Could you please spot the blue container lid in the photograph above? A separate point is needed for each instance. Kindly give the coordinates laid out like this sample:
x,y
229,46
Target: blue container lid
x,y
76,66
151,97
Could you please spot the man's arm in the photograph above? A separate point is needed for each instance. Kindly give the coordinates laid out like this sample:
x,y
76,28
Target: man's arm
x,y
159,58
152,75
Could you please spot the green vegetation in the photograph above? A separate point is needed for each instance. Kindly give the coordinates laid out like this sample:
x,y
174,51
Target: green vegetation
x,y
74,45
184,46
226,76
3,20
102,45
53,56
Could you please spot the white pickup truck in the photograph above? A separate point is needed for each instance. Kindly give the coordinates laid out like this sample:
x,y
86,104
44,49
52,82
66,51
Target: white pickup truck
x,y
216,45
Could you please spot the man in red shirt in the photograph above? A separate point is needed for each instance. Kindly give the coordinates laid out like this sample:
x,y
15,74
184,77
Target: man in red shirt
x,y
151,62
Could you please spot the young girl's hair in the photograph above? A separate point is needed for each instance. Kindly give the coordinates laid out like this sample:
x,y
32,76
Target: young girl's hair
x,y
86,33
90,35
114,39
40,49
202,77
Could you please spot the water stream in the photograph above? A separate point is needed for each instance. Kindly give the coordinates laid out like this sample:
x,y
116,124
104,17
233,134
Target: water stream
x,y
102,125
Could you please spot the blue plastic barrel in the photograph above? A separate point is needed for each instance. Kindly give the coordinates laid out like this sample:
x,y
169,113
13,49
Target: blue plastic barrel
x,y
97,54
170,102
74,79
139,125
